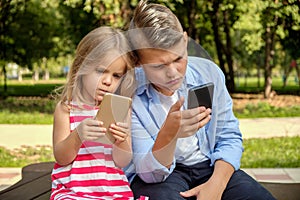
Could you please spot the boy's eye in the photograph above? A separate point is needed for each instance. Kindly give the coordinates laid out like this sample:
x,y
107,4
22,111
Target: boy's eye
x,y
179,59
158,66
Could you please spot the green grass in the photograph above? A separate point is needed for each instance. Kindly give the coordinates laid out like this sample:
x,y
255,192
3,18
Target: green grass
x,y
30,103
30,88
24,156
26,110
251,85
280,152
264,109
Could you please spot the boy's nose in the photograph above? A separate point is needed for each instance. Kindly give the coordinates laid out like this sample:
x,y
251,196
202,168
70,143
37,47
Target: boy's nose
x,y
171,70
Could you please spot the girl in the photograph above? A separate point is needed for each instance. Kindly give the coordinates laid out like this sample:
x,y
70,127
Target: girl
x,y
84,168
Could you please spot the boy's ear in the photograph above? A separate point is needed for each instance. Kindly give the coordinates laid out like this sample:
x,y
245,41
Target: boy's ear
x,y
185,37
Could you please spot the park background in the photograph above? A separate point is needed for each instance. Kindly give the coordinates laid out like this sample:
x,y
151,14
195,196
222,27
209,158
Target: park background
x,y
255,43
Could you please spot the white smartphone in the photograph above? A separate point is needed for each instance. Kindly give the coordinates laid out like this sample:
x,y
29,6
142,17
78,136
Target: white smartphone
x,y
201,95
113,108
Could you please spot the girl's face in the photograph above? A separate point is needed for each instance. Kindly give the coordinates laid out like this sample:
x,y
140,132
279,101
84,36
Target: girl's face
x,y
103,79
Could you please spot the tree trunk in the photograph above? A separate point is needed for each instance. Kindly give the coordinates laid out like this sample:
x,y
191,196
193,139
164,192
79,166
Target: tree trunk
x,y
46,75
5,80
268,69
36,75
228,53
20,78
191,18
215,25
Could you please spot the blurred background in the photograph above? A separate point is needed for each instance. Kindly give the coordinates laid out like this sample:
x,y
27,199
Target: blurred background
x,y
254,42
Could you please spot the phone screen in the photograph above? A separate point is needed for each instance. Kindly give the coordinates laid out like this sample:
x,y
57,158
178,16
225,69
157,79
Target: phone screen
x,y
201,95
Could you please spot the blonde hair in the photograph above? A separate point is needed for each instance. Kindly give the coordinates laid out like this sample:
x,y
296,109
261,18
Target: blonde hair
x,y
93,50
154,26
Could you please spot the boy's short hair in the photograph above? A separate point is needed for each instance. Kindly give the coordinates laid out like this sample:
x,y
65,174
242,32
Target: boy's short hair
x,y
154,26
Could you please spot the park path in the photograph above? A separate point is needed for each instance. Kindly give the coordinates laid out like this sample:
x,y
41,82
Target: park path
x,y
14,136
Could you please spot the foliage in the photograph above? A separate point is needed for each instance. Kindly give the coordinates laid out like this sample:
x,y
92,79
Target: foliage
x,y
29,31
277,152
43,35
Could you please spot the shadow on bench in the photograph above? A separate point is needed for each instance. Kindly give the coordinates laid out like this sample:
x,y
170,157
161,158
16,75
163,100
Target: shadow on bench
x,y
283,191
35,183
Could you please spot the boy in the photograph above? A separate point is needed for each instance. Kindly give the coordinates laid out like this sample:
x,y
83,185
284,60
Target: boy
x,y
181,153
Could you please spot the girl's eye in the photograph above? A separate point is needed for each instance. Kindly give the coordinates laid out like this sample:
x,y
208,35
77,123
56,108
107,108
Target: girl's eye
x,y
100,71
118,76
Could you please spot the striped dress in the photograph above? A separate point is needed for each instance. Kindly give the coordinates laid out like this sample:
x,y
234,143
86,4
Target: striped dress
x,y
93,174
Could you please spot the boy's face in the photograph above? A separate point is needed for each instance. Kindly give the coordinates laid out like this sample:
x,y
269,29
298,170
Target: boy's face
x,y
165,69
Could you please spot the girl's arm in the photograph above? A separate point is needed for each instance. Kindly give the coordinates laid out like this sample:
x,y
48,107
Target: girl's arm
x,y
122,149
65,143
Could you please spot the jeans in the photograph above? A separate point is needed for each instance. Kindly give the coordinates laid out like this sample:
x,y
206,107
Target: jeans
x,y
240,186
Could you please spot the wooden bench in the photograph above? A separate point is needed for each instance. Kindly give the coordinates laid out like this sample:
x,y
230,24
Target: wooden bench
x,y
283,191
35,183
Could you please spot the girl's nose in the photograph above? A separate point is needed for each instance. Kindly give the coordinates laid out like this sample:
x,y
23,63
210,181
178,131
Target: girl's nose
x,y
106,80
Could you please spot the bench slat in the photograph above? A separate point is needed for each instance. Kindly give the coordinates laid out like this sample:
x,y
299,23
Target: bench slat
x,y
30,190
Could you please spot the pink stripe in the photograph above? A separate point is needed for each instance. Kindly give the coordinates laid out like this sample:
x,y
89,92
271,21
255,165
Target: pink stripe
x,y
94,156
74,119
86,170
95,144
98,182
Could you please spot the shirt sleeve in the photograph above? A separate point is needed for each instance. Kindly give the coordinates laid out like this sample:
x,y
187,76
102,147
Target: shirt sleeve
x,y
144,132
228,138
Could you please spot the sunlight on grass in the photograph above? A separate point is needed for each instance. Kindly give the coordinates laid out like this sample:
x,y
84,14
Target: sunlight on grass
x,y
26,155
276,152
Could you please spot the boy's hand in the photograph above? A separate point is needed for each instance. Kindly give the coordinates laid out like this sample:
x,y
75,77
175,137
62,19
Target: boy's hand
x,y
120,131
192,120
90,130
186,122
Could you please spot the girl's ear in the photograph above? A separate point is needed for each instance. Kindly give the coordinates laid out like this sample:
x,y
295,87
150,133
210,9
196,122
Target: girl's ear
x,y
138,64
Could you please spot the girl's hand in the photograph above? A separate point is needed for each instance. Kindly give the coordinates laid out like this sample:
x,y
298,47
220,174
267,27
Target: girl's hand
x,y
120,131
90,130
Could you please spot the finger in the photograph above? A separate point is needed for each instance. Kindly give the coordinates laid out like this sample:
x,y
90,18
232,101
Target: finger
x,y
177,105
204,121
92,122
120,133
96,130
122,125
189,193
119,128
191,113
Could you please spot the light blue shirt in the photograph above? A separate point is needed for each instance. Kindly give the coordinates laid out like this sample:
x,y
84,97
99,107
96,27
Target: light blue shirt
x,y
219,139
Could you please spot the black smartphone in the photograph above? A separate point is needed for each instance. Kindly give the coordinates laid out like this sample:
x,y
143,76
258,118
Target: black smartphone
x,y
201,95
